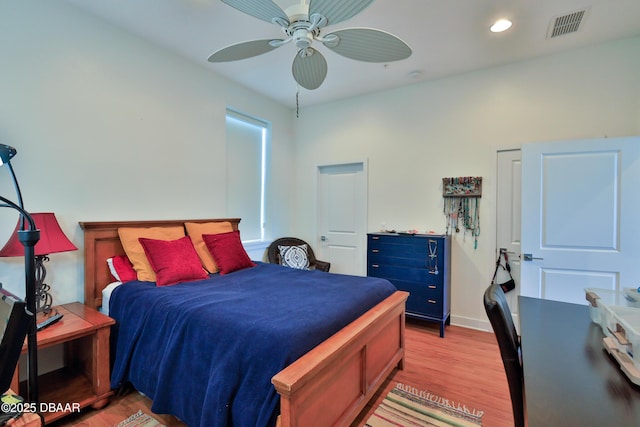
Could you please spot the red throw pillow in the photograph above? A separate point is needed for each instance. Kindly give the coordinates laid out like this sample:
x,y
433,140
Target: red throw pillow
x,y
173,261
121,268
227,251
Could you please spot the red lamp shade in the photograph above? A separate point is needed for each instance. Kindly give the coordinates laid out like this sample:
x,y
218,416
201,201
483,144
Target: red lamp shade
x,y
52,239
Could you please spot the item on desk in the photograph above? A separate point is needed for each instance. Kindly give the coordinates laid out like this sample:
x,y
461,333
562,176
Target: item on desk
x,y
631,296
624,361
618,315
48,321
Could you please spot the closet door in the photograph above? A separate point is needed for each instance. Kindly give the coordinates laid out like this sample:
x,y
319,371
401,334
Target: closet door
x,y
342,217
508,223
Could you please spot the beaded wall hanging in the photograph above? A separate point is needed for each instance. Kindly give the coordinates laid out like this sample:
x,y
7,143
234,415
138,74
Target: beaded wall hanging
x,y
462,205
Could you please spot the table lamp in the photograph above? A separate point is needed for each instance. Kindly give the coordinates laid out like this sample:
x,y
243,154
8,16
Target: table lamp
x,y
28,236
52,240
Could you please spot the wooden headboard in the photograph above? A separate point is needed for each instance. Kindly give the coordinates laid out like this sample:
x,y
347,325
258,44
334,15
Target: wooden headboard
x,y
101,241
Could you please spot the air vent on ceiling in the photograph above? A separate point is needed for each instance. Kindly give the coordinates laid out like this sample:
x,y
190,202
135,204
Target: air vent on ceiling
x,y
566,24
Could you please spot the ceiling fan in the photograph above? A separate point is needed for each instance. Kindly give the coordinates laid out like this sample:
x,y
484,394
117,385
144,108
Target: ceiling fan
x,y
303,24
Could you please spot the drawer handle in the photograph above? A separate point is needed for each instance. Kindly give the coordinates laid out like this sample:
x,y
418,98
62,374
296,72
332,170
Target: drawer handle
x,y
432,286
375,238
375,265
432,301
375,251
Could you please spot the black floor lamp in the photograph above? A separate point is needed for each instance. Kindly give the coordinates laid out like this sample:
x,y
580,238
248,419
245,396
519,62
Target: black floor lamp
x,y
28,236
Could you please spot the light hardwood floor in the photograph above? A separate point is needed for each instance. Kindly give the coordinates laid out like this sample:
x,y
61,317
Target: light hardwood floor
x,y
464,367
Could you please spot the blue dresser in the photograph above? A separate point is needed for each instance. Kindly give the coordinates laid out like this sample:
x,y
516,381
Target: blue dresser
x,y
419,264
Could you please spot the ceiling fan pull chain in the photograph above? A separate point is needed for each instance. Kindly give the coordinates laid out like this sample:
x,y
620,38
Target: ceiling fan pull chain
x,y
297,102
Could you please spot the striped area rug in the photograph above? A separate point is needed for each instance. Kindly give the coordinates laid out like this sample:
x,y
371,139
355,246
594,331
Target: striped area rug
x,y
140,419
406,406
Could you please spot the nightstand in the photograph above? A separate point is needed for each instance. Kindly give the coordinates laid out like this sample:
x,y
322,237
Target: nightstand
x,y
84,379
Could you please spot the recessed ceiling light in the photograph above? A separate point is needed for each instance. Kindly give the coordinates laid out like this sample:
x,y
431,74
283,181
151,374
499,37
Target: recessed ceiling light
x,y
501,25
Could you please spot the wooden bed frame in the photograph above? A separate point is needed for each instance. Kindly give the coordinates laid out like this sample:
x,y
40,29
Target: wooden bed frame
x,y
331,384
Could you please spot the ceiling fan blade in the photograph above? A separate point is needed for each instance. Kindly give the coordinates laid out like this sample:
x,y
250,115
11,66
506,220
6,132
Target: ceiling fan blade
x,y
367,44
337,10
242,51
309,68
265,10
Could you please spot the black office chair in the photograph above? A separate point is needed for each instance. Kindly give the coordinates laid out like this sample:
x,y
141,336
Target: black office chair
x,y
14,324
273,253
495,304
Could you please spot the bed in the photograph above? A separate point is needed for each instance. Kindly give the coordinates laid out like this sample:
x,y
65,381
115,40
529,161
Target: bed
x,y
330,383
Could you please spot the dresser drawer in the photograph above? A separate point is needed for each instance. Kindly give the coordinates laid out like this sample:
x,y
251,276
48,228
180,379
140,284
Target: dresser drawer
x,y
423,292
422,299
409,251
381,258
424,307
393,239
398,272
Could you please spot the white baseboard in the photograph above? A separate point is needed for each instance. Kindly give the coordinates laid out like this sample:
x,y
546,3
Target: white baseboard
x,y
468,322
480,324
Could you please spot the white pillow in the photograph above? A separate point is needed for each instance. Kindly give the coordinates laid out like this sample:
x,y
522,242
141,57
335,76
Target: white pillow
x,y
106,296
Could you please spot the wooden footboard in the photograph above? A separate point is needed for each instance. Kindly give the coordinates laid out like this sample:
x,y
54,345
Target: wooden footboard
x,y
331,384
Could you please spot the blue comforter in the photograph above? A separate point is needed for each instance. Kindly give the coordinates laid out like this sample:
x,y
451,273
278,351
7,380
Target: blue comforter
x,y
206,351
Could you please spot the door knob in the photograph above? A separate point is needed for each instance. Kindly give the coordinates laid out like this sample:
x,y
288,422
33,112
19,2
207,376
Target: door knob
x,y
323,238
529,257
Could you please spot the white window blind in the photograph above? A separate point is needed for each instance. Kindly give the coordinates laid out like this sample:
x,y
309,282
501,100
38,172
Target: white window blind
x,y
246,151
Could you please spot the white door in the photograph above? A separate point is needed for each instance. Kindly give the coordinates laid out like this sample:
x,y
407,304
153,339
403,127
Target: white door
x,y
579,217
342,217
508,221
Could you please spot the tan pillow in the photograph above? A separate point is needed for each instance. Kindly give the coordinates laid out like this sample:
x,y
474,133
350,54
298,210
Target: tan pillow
x,y
135,252
195,230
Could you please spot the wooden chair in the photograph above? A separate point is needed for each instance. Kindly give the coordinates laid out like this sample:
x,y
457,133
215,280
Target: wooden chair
x,y
273,254
495,304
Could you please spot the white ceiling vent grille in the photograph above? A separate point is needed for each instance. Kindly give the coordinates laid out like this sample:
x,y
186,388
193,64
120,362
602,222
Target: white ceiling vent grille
x,y
566,24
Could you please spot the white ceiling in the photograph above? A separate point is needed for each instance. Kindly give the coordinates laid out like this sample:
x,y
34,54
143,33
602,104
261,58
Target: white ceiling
x,y
447,37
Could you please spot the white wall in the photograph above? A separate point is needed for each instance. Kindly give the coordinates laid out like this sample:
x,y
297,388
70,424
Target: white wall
x,y
415,136
110,127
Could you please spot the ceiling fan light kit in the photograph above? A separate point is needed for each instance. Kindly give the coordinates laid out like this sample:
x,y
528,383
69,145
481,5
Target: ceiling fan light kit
x,y
302,24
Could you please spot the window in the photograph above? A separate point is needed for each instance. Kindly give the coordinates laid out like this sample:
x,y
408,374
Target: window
x,y
247,140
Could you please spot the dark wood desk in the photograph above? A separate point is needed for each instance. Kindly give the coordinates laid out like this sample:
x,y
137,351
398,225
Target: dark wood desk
x,y
569,379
